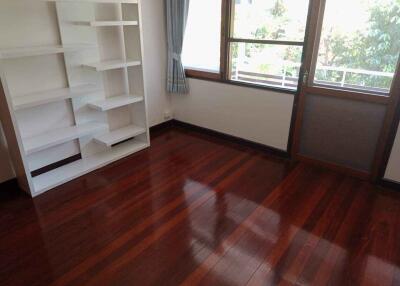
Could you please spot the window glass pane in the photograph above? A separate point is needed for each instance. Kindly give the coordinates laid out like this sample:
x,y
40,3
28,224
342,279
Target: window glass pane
x,y
270,19
201,47
270,65
359,45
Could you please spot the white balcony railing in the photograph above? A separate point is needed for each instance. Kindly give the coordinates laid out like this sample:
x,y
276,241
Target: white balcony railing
x,y
287,81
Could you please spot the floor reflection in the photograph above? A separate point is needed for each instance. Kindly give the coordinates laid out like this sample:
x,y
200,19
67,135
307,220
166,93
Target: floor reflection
x,y
199,211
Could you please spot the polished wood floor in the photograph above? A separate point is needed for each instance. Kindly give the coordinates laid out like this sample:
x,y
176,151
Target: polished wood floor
x,y
197,210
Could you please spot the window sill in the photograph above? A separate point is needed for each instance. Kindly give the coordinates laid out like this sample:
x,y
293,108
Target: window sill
x,y
202,75
216,77
348,94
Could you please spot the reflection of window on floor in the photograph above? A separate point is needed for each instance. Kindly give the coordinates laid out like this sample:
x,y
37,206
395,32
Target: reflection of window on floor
x,y
221,207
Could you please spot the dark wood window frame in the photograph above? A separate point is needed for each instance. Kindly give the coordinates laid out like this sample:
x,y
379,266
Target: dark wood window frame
x,y
223,75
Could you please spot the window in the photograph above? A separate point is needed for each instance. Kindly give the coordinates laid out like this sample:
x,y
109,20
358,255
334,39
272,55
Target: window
x,y
202,43
266,42
269,20
262,43
265,64
359,45
263,46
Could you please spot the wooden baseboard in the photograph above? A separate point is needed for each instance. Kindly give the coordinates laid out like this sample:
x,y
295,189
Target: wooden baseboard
x,y
162,126
9,191
389,184
363,175
234,139
11,184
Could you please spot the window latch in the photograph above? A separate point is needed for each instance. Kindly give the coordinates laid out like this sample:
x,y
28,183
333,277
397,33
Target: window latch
x,y
305,77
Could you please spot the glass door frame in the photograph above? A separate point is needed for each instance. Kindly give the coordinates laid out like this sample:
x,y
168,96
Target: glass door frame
x,y
307,86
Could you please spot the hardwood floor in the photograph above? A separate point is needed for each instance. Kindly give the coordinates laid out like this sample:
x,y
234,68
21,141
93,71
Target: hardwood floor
x,y
197,210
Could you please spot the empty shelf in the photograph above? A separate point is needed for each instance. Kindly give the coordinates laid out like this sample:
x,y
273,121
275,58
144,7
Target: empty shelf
x,y
59,136
119,135
106,23
78,168
40,51
114,64
39,98
115,102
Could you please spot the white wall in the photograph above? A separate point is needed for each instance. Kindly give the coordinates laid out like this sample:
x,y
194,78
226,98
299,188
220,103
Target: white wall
x,y
253,114
155,60
393,168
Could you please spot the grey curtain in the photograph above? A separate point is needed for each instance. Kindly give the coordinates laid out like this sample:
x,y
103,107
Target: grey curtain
x,y
177,12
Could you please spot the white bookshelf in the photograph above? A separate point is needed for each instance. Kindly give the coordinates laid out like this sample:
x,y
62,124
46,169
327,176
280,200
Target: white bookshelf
x,y
115,102
106,23
112,64
83,166
59,136
119,135
44,97
83,96
13,53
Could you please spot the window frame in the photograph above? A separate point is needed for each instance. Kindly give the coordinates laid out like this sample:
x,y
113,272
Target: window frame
x,y
209,75
306,76
226,40
390,101
311,86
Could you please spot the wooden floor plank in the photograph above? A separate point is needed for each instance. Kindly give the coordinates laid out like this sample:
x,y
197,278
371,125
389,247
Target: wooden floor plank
x,y
199,210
